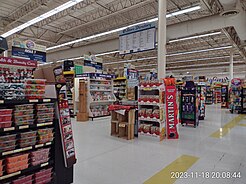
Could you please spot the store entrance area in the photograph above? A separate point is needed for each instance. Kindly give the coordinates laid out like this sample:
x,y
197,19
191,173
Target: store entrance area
x,y
214,146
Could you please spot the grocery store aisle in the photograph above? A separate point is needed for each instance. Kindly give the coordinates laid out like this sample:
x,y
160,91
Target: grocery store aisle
x,y
103,159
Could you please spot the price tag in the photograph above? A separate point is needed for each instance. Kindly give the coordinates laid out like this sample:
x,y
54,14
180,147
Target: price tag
x,y
32,101
1,101
7,152
40,124
8,129
46,100
48,143
10,175
39,146
23,127
27,148
49,123
44,164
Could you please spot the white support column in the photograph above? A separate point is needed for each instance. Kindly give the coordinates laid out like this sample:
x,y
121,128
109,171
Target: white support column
x,y
231,65
162,6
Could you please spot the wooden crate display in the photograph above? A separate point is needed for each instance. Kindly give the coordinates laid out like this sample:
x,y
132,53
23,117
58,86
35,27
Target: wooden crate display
x,y
123,125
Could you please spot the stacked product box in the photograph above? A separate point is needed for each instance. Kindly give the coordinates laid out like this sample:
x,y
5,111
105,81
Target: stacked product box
x,y
5,118
24,114
45,112
1,167
35,88
7,142
43,176
39,156
45,135
12,91
24,180
27,139
16,163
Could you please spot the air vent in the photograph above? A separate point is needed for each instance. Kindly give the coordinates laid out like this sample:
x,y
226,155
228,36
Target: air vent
x,y
229,13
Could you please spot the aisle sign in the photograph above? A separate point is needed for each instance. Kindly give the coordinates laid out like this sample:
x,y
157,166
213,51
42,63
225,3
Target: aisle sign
x,y
171,113
94,62
29,50
137,38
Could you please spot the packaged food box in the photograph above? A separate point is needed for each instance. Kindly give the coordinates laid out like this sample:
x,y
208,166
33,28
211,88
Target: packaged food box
x,y
17,158
23,180
45,181
45,140
27,122
4,118
39,120
23,145
43,172
35,87
5,124
23,107
34,96
1,173
2,149
6,111
1,168
40,152
45,116
7,143
1,162
45,131
16,164
44,106
15,169
24,118
29,139
28,134
47,110
24,112
5,138
42,178
35,81
35,163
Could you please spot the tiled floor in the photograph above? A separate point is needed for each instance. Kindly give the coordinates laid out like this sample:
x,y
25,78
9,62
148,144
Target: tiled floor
x,y
103,159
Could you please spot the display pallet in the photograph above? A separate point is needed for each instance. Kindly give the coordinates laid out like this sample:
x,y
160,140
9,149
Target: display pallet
x,y
122,124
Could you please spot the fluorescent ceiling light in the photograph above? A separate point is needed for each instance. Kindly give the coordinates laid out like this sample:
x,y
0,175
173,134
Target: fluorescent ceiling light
x,y
193,37
42,17
122,28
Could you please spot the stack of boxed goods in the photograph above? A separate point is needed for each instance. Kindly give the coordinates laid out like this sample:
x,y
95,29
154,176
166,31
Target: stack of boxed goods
x,y
7,142
45,112
40,156
27,139
16,163
5,118
24,114
45,135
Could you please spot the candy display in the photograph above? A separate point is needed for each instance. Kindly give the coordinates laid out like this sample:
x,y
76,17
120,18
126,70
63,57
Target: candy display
x,y
7,142
154,83
12,91
44,106
5,118
45,135
24,114
99,110
40,156
24,107
149,98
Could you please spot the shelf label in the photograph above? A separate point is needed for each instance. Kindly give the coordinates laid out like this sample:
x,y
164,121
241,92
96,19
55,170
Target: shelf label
x,y
1,101
8,129
7,152
46,100
32,101
24,127
10,175
44,164
48,143
39,146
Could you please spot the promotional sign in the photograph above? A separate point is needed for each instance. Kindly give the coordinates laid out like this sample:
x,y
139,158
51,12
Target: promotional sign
x,y
58,73
137,38
236,82
78,70
132,76
93,61
216,79
29,49
18,62
66,134
171,113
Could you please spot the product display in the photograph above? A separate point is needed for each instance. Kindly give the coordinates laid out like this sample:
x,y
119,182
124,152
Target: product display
x,y
201,90
224,96
69,77
120,88
189,105
236,95
209,95
217,93
151,109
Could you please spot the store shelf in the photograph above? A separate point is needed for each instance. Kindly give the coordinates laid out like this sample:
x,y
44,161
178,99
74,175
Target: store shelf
x,y
149,88
148,134
28,170
150,103
149,119
102,90
100,80
100,85
26,101
25,149
120,78
103,101
22,127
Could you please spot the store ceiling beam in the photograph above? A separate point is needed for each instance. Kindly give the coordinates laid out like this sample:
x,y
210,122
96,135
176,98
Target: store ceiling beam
x,y
66,12
104,12
24,11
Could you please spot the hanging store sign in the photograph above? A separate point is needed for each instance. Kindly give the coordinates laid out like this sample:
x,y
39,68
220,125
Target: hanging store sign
x,y
94,62
138,38
29,50
216,79
171,113
18,62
